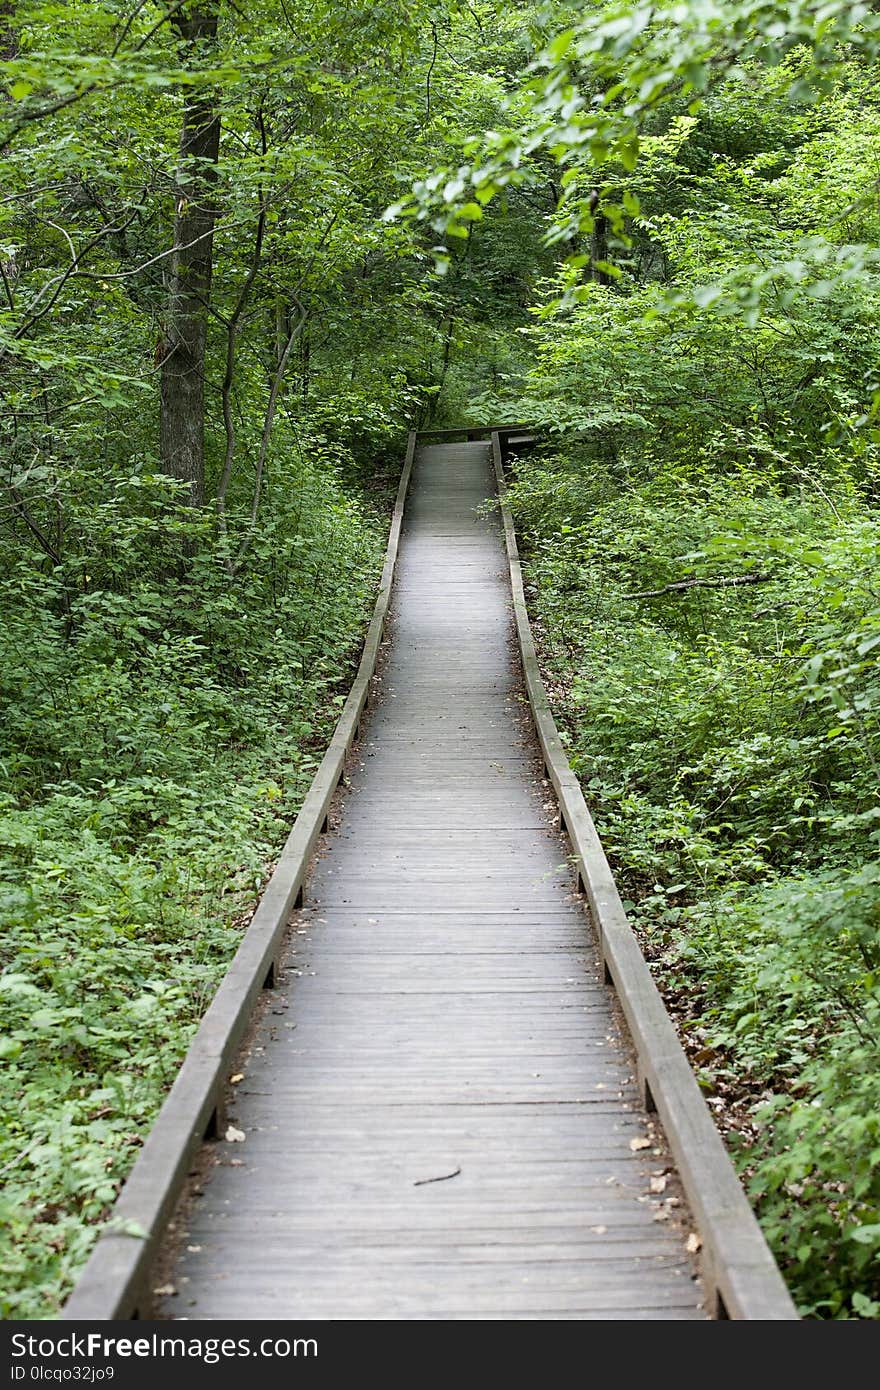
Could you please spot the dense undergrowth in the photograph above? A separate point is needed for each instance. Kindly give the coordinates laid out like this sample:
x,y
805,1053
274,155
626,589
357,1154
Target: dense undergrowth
x,y
162,723
727,741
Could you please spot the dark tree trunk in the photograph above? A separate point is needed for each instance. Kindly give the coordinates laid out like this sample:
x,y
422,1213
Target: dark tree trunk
x,y
598,242
8,34
182,409
306,358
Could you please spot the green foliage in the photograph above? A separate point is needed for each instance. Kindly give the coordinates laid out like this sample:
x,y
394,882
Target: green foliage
x,y
662,249
702,544
169,676
162,723
728,739
612,85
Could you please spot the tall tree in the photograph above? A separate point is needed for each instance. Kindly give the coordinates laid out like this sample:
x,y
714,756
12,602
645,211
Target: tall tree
x,y
182,347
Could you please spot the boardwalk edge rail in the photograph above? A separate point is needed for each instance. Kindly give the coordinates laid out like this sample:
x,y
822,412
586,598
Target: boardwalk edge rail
x,y
113,1282
739,1272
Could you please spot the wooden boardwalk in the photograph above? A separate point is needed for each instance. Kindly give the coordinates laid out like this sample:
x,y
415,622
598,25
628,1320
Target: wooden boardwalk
x,y
442,1014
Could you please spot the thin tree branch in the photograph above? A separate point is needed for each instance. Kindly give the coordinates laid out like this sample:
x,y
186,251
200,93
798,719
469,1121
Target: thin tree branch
x,y
231,339
430,73
7,287
732,581
169,14
54,287
267,433
127,26
32,526
271,408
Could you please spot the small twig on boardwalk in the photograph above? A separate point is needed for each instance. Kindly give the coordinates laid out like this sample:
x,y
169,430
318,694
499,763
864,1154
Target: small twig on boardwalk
x,y
443,1178
731,581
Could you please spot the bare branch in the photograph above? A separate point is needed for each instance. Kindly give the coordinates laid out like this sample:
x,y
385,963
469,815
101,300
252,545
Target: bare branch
x,y
32,526
267,434
54,287
431,72
733,581
231,339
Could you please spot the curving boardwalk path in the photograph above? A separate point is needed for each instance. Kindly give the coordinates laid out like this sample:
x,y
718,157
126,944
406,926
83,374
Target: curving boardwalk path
x,y
442,1013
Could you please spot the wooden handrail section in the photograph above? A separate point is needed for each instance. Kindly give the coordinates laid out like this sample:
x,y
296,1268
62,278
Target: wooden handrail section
x,y
471,431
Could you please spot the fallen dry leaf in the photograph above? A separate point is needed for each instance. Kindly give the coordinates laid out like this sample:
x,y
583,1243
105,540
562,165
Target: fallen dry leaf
x,y
234,1080
636,1144
165,1291
235,1136
693,1243
658,1184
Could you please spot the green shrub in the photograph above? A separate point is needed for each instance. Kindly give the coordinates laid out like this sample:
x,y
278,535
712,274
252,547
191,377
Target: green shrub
x,y
162,720
728,739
